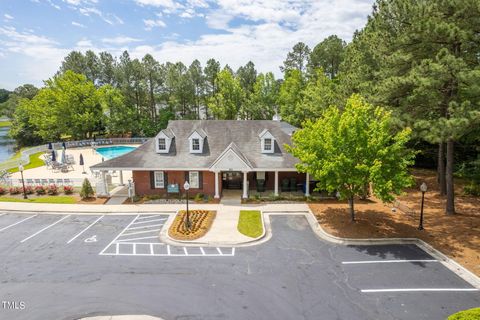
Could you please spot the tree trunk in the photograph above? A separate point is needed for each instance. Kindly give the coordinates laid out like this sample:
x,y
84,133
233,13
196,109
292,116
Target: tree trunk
x,y
450,209
352,209
441,169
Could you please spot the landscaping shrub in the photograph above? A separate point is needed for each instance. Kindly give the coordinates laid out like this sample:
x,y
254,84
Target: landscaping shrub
x,y
87,190
14,190
29,190
40,190
52,190
472,189
198,197
471,314
2,191
201,221
68,189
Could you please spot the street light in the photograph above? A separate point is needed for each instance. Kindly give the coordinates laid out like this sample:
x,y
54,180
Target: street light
x,y
186,186
20,168
423,188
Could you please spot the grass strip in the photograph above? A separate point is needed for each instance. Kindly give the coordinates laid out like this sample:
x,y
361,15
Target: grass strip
x,y
49,199
250,223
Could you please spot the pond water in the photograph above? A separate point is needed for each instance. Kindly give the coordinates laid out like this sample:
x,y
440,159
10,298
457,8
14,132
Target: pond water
x,y
7,145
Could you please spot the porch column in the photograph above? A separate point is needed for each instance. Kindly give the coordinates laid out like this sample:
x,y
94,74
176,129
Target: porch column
x,y
245,185
307,185
276,184
121,178
105,183
217,193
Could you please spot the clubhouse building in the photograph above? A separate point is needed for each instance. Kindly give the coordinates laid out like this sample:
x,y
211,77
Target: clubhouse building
x,y
213,155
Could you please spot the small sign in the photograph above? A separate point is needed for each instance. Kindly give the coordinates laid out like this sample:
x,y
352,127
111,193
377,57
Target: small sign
x,y
173,188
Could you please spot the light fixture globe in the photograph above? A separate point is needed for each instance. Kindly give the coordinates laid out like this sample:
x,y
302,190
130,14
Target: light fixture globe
x,y
423,187
20,168
186,186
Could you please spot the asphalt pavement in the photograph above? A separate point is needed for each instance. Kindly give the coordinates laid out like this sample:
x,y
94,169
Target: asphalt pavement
x,y
69,267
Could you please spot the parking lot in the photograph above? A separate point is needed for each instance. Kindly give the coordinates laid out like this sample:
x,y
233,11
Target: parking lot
x,y
129,235
71,266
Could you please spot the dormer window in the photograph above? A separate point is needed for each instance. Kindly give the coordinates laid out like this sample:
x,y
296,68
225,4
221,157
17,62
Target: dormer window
x,y
162,145
195,144
267,141
267,144
196,141
163,141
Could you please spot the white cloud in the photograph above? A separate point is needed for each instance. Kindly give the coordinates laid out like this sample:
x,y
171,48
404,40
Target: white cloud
x,y
120,40
150,24
8,17
159,3
79,2
78,24
109,18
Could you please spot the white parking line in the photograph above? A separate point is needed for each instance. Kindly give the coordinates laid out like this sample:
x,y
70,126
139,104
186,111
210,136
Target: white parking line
x,y
147,221
133,239
153,225
420,290
219,251
14,224
138,232
47,227
185,251
118,236
147,217
2,214
387,261
203,251
79,234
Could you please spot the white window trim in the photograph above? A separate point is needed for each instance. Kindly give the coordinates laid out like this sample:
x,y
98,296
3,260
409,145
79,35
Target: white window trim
x,y
156,181
269,145
164,144
194,184
193,144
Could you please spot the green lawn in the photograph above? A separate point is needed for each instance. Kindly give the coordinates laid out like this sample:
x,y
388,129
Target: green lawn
x,y
46,199
35,162
471,314
5,123
250,223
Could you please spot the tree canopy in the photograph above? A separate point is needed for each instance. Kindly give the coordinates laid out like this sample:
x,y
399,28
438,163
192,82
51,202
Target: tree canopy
x,y
347,150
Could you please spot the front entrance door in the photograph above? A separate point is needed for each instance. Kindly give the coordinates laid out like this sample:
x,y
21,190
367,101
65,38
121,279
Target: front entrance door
x,y
232,180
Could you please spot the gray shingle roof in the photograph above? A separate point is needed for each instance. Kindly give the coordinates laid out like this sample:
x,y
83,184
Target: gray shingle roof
x,y
220,134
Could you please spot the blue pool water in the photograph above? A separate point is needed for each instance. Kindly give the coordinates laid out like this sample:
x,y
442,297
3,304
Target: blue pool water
x,y
113,152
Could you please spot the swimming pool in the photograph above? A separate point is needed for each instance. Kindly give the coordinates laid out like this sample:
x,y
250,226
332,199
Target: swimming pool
x,y
113,152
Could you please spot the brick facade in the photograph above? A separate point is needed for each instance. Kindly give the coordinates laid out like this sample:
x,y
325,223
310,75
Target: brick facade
x,y
143,184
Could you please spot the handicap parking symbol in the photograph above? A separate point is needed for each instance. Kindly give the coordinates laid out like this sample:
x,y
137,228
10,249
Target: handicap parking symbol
x,y
91,239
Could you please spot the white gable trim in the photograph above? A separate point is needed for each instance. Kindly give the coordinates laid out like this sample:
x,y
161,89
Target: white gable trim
x,y
230,160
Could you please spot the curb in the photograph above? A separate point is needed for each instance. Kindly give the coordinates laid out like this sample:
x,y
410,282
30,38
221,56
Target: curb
x,y
165,237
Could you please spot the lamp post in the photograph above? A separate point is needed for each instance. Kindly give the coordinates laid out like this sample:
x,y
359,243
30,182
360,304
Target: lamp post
x,y
20,168
186,186
423,188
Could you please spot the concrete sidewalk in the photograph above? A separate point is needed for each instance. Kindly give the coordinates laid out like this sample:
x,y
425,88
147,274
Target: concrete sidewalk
x,y
139,208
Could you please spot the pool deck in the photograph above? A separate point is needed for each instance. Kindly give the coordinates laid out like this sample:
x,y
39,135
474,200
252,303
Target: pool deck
x,y
90,158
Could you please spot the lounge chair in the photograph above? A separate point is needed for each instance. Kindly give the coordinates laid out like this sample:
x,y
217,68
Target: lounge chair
x,y
67,182
59,182
29,182
51,181
44,181
38,182
285,185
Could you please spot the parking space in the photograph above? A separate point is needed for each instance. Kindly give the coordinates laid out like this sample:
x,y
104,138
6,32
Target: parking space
x,y
96,234
398,269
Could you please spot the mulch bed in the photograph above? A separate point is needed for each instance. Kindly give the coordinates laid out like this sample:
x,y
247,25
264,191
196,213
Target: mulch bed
x,y
201,221
457,236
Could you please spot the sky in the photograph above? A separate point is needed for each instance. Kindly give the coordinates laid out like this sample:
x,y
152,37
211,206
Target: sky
x,y
35,35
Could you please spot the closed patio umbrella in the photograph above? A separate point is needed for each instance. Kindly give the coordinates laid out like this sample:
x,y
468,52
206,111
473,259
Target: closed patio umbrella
x,y
54,156
94,138
50,147
64,157
82,163
64,145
